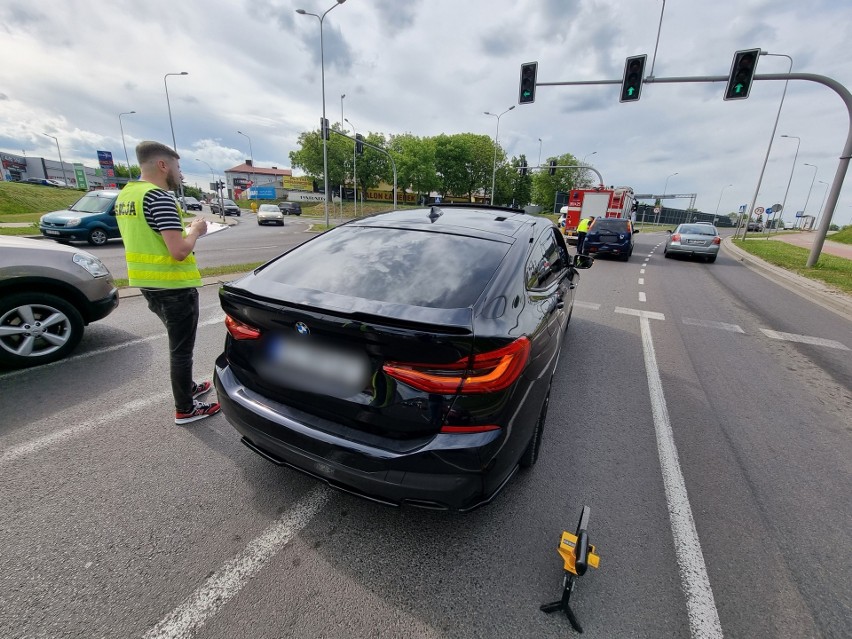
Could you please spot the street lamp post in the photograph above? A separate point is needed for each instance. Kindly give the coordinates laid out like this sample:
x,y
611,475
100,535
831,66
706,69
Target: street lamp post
x,y
496,138
61,163
322,73
819,214
665,190
716,216
343,179
126,157
354,171
218,191
807,199
539,152
251,157
771,139
585,172
171,124
792,170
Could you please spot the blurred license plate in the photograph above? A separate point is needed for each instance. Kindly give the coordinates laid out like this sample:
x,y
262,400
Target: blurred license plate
x,y
695,241
318,368
47,232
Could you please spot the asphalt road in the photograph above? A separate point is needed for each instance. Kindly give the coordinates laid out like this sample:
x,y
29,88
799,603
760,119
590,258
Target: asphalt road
x,y
719,490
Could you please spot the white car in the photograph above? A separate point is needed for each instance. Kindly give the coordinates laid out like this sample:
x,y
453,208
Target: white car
x,y
269,214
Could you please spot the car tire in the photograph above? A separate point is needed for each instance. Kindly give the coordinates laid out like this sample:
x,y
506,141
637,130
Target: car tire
x,y
98,237
711,259
259,223
530,456
666,254
66,329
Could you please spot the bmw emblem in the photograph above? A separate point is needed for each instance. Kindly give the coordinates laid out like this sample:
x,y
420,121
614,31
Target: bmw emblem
x,y
302,328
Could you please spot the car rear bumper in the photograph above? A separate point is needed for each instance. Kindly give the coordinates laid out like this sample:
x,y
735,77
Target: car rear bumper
x,y
427,477
606,249
687,249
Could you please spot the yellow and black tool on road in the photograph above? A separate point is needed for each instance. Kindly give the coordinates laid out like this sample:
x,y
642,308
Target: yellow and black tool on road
x,y
577,554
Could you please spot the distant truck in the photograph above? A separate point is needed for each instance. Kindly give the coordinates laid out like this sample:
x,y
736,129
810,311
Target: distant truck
x,y
595,202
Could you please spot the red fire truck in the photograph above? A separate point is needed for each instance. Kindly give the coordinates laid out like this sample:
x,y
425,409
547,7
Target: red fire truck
x,y
598,202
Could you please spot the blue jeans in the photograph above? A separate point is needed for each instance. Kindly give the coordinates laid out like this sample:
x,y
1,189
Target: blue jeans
x,y
177,308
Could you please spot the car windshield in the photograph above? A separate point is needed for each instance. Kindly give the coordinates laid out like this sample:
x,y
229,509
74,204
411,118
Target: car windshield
x,y
616,225
93,203
697,229
271,208
417,268
229,203
191,200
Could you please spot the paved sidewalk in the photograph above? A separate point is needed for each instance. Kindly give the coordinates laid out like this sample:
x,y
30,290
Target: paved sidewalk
x,y
806,240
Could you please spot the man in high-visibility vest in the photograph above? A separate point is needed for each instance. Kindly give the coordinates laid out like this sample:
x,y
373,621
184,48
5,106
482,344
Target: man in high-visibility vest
x,y
582,229
160,261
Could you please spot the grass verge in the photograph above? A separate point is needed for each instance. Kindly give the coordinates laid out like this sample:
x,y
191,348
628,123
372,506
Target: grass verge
x,y
27,202
844,236
830,269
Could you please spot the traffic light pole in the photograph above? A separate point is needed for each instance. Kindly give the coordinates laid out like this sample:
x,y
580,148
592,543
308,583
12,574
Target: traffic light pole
x,y
380,150
846,154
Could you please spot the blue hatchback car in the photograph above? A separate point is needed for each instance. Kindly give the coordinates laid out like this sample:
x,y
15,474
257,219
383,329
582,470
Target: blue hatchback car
x,y
91,219
610,236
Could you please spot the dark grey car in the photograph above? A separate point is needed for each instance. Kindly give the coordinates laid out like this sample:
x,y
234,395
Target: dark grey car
x,y
290,208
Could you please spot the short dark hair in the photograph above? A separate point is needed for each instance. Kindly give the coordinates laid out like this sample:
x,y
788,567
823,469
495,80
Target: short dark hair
x,y
148,150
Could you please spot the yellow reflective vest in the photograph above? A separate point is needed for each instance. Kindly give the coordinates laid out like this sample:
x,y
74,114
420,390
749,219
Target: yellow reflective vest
x,y
149,263
583,226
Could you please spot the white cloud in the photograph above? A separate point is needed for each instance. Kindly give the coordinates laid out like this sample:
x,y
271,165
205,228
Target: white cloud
x,y
433,67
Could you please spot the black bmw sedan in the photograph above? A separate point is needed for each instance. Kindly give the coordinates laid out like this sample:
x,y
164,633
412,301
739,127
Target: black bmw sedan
x,y
406,357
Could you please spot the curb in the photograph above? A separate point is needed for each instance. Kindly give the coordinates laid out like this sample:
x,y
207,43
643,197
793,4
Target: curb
x,y
812,290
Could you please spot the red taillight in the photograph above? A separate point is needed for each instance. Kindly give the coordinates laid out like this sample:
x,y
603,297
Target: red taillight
x,y
239,330
485,428
486,373
676,237
717,240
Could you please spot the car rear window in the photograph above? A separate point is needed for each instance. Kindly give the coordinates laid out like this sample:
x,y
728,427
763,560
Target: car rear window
x,y
612,224
698,229
93,203
416,268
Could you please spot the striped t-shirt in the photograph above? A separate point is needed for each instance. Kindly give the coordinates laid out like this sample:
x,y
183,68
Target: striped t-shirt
x,y
161,212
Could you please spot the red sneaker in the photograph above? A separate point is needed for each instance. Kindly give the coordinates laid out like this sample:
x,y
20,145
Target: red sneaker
x,y
200,389
199,411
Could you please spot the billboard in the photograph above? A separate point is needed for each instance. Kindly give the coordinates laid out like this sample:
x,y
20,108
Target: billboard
x,y
80,175
262,193
107,167
302,183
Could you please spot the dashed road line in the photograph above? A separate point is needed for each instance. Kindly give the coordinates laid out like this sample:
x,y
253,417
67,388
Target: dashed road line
x,y
226,582
733,328
28,448
641,281
804,339
638,313
641,271
642,297
590,305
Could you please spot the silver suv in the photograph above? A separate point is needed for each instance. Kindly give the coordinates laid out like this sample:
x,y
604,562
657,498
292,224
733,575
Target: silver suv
x,y
48,293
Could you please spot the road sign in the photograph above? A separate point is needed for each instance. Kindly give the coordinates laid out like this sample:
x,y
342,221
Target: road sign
x,y
800,213
743,208
657,209
758,209
777,208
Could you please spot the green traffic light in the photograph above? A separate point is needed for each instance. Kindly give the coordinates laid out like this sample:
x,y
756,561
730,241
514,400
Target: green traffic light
x,y
738,88
631,91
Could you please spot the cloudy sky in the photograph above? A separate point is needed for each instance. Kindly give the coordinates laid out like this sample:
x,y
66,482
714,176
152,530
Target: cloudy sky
x,y
69,67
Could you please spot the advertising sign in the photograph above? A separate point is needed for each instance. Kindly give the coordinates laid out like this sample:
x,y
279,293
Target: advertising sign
x,y
303,183
262,193
80,175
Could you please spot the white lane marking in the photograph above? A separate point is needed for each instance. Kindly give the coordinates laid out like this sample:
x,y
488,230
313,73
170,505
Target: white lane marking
x,y
700,604
647,258
650,254
642,271
804,339
638,313
642,297
733,328
641,281
218,319
591,305
111,418
226,582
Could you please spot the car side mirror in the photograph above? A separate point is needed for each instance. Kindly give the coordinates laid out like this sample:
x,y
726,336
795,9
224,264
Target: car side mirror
x,y
635,231
669,231
582,261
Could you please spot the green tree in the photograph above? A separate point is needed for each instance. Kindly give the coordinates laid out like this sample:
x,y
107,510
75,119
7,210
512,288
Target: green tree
x,y
463,162
121,170
308,156
545,186
373,167
415,163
